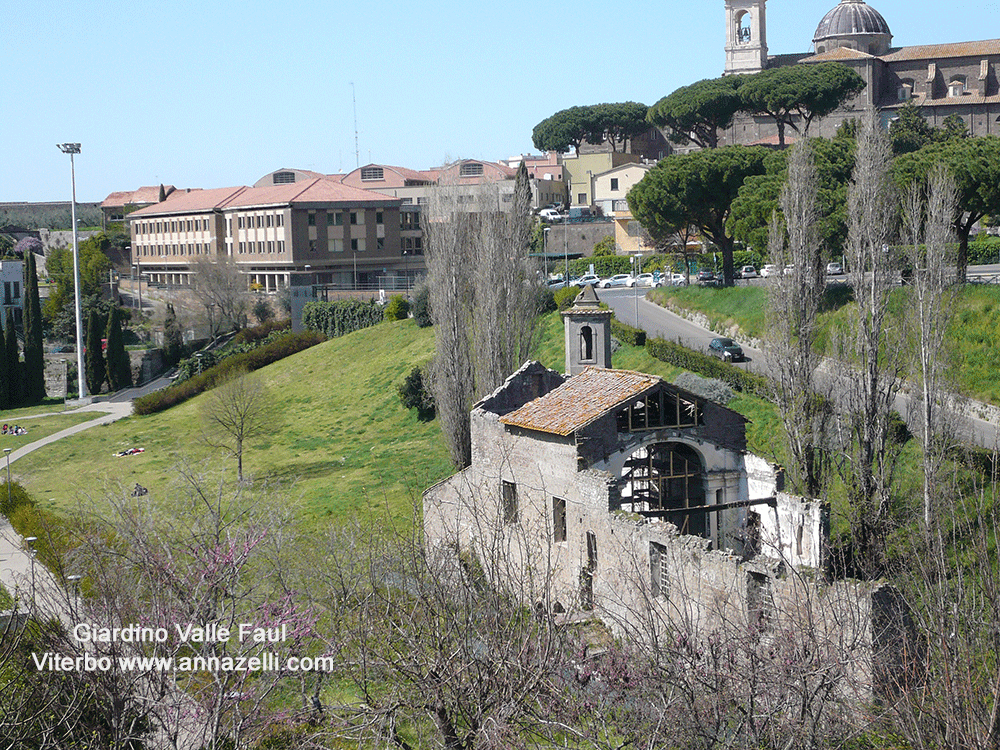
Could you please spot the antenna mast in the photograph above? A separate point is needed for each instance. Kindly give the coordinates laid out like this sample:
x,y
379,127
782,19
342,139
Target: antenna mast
x,y
357,153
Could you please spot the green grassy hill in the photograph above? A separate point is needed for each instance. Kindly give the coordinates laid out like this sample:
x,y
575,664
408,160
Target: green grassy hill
x,y
341,435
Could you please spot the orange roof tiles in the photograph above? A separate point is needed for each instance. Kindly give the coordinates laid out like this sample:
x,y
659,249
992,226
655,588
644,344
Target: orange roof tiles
x,y
580,400
839,53
320,190
958,49
145,194
183,201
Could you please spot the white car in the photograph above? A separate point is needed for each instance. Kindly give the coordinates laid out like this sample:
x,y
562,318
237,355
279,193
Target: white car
x,y
769,270
550,215
834,269
748,272
678,279
646,279
619,279
589,279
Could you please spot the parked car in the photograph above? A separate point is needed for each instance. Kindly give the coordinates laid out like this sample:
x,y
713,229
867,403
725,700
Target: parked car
x,y
550,215
587,279
747,272
554,284
769,269
705,275
678,279
647,279
834,269
789,269
619,279
726,349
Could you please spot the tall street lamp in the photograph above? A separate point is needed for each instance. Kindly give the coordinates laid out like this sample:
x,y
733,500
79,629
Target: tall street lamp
x,y
6,452
72,149
545,252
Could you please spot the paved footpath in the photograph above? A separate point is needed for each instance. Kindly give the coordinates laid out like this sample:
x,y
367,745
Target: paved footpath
x,y
15,556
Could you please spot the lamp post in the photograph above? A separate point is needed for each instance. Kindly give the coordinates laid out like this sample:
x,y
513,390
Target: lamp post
x,y
406,268
636,270
6,452
75,580
198,356
545,252
73,149
30,541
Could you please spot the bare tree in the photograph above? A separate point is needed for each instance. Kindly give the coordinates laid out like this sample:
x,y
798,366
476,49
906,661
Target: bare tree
x,y
928,230
872,354
794,301
236,411
222,288
483,297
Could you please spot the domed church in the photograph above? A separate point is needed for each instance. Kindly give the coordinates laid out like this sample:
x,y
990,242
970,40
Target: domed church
x,y
942,79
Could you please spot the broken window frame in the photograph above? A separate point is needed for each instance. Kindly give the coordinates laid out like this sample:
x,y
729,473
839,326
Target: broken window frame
x,y
659,409
508,501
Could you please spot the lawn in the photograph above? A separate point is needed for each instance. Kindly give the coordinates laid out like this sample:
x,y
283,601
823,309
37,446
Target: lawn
x,y
42,426
340,434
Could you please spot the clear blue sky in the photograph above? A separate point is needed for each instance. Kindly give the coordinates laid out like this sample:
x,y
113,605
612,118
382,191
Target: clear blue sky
x,y
212,94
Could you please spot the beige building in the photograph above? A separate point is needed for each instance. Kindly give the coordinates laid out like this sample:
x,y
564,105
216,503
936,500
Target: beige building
x,y
330,232
611,189
118,205
580,171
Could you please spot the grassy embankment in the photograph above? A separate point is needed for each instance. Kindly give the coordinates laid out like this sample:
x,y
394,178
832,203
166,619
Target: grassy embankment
x,y
341,435
972,333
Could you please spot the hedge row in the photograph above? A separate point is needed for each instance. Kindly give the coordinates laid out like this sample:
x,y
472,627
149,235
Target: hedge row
x,y
279,348
627,334
703,364
341,317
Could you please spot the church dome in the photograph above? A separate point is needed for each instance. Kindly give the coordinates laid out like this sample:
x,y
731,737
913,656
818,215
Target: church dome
x,y
852,20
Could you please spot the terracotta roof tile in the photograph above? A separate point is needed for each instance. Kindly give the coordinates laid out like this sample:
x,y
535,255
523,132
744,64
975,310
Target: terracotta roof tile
x,y
839,53
958,49
183,201
146,194
580,400
319,190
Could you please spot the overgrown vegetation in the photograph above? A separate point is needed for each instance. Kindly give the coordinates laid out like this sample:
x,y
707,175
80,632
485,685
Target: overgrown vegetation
x,y
341,317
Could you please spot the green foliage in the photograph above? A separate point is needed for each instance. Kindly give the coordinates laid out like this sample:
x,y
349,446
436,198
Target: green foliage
x,y
698,111
13,360
794,93
93,359
29,520
262,310
911,132
398,308
259,333
119,365
711,367
570,128
605,246
422,306
414,394
94,268
709,388
173,337
564,297
696,189
34,354
341,317
604,265
627,334
283,346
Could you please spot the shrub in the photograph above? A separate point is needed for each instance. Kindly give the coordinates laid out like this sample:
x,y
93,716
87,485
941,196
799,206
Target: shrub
x,y
341,317
262,310
422,306
283,346
564,297
703,364
546,301
708,388
261,332
414,395
398,308
605,246
627,334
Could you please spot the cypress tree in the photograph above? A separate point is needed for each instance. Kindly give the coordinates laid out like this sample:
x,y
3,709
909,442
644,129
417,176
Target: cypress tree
x,y
173,337
34,354
11,356
119,368
93,361
5,380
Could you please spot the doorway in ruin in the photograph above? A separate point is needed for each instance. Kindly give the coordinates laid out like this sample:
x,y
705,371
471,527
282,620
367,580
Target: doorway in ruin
x,y
663,480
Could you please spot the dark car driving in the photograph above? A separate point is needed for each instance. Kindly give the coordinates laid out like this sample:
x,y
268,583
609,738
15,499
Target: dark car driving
x,y
726,349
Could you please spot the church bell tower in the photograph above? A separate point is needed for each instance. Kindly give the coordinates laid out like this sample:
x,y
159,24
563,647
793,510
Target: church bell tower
x,y
746,36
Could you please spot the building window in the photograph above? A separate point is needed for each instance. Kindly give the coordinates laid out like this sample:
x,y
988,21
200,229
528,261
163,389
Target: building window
x,y
379,243
358,244
558,519
372,173
312,246
956,87
354,218
335,246
331,218
378,217
281,246
581,199
338,219
280,220
658,581
312,218
270,220
259,220
614,183
586,344
470,169
283,178
508,501
760,600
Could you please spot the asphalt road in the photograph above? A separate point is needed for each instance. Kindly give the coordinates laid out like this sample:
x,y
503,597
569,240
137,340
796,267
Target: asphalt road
x,y
980,423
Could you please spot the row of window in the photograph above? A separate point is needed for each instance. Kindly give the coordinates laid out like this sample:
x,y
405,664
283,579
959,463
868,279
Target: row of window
x,y
261,247
173,225
249,221
336,218
182,248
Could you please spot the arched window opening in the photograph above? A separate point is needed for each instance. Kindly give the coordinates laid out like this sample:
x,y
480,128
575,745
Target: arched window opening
x,y
666,480
743,22
586,344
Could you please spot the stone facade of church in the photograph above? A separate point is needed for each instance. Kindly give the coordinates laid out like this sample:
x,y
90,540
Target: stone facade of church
x,y
942,79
